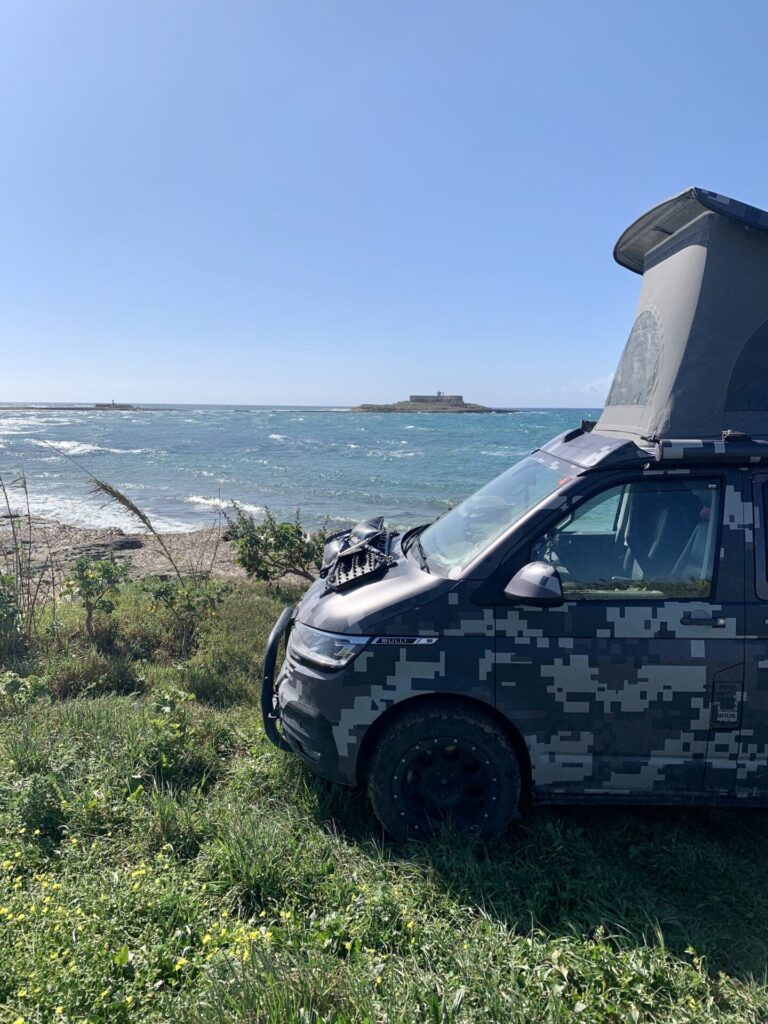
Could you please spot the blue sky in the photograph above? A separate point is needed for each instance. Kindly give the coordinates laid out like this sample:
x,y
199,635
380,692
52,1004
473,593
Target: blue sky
x,y
332,202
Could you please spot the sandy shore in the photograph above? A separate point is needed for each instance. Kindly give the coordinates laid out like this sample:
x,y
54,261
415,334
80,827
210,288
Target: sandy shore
x,y
59,544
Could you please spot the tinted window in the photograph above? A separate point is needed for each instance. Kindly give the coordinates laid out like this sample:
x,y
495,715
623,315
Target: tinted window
x,y
640,540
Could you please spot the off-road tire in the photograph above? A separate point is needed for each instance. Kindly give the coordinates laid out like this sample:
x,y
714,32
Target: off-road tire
x,y
444,764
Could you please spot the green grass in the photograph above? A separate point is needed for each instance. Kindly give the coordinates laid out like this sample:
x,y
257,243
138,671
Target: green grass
x,y
159,861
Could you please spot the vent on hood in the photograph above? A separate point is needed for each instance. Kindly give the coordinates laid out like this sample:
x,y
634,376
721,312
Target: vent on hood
x,y
361,554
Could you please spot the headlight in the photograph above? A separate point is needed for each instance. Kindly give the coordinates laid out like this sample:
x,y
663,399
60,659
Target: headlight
x,y
327,650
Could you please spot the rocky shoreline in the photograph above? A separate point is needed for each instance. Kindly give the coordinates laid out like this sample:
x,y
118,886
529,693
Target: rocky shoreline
x,y
58,545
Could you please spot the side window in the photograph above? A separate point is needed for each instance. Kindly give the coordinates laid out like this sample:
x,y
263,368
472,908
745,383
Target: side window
x,y
598,515
646,539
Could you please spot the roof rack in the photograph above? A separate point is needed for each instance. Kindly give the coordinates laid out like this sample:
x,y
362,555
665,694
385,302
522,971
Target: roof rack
x,y
734,447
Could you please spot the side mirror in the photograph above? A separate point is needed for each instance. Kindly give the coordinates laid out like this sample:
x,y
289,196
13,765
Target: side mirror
x,y
536,583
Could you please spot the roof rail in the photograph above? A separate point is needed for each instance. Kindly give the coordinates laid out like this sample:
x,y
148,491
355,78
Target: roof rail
x,y
733,447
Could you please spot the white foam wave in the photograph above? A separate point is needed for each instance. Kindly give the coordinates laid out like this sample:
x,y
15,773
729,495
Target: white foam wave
x,y
91,514
378,453
277,437
224,503
198,499
20,425
254,510
83,448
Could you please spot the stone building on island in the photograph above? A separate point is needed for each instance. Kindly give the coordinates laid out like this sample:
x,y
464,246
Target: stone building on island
x,y
440,397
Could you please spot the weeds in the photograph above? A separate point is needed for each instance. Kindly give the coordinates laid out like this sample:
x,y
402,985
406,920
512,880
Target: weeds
x,y
24,584
159,861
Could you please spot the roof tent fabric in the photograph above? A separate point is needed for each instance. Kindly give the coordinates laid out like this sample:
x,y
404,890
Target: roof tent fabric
x,y
696,360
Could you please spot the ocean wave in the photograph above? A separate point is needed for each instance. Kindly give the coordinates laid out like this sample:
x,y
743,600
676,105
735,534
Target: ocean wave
x,y
224,503
29,423
378,453
277,437
20,425
198,499
83,448
91,514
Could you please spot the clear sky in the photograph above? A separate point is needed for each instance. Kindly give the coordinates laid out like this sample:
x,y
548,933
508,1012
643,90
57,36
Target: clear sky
x,y
330,202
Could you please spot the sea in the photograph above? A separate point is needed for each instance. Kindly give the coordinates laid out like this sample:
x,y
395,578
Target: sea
x,y
185,465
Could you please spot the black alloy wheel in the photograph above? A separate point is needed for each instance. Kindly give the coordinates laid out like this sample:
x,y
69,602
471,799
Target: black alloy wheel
x,y
440,765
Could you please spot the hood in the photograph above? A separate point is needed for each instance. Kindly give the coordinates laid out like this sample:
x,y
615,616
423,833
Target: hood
x,y
376,604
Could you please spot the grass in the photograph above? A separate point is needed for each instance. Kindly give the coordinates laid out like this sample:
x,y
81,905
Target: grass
x,y
159,861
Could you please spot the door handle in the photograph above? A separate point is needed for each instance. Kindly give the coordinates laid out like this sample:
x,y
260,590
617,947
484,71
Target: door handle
x,y
702,619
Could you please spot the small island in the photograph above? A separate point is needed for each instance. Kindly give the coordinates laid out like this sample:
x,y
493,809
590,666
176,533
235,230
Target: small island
x,y
439,402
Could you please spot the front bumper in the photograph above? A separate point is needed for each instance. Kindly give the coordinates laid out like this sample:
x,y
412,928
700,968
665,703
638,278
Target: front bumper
x,y
308,702
291,721
268,702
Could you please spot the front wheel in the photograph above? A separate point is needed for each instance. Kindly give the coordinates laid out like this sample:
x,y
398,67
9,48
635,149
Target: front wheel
x,y
444,764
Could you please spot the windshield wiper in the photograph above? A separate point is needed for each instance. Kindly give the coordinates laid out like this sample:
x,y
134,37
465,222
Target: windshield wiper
x,y
416,543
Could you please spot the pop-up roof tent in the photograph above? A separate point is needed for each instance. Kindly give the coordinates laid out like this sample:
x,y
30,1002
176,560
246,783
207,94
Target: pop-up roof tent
x,y
696,361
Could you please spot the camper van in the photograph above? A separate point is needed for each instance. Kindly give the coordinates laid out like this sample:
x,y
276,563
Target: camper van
x,y
592,625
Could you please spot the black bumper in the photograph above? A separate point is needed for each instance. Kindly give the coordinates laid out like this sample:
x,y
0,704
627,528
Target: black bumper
x,y
268,705
310,736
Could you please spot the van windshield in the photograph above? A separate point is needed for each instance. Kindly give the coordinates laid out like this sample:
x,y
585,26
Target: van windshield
x,y
454,540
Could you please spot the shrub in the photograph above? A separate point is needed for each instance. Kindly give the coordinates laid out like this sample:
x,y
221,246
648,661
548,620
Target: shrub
x,y
190,601
17,692
268,550
96,584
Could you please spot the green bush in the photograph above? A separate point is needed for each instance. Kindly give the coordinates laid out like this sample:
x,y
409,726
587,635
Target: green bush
x,y
96,583
269,550
190,601
17,692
